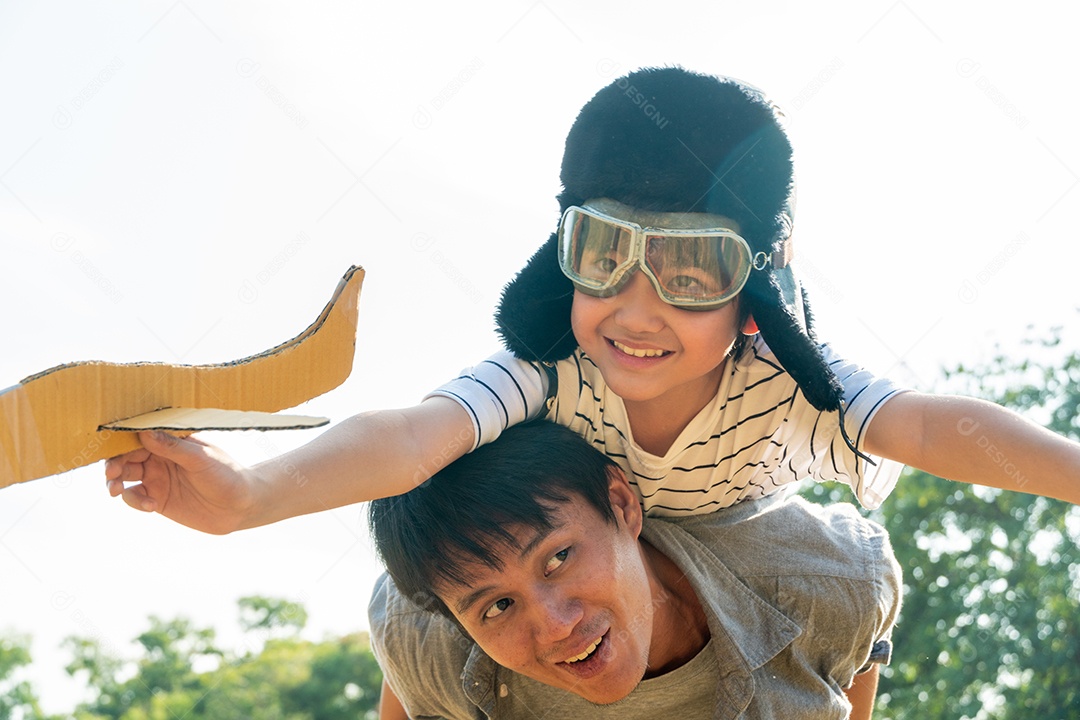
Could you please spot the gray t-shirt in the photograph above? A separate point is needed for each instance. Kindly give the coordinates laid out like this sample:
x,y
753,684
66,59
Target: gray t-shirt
x,y
796,597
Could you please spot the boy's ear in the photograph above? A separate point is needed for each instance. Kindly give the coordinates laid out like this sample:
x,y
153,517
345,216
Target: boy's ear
x,y
624,502
750,326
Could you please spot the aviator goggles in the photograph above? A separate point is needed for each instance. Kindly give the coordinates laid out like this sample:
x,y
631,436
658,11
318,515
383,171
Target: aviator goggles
x,y
694,267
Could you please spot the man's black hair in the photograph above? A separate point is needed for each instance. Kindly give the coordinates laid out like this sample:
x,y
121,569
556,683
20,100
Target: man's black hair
x,y
468,512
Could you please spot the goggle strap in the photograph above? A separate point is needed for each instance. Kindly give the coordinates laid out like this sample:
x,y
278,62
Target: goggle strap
x,y
783,257
779,259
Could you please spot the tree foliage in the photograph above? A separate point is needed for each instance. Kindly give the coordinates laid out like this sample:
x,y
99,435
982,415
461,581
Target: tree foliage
x,y
182,673
271,614
18,701
990,626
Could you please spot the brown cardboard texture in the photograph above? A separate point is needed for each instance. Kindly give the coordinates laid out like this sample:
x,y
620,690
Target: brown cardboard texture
x,y
70,415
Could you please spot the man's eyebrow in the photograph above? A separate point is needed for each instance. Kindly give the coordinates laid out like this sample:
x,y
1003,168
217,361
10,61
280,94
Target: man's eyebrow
x,y
538,539
466,602
462,606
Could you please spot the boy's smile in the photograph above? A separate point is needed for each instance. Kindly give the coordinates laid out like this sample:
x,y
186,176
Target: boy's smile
x,y
638,352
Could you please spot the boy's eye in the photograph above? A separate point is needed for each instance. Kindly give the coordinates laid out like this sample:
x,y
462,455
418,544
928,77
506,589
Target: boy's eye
x,y
691,282
497,608
600,267
598,264
556,560
684,282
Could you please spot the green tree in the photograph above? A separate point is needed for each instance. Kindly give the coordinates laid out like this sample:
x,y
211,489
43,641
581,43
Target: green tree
x,y
344,683
271,614
99,671
286,678
171,650
164,681
17,697
990,626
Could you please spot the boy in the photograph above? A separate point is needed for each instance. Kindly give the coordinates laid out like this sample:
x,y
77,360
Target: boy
x,y
637,323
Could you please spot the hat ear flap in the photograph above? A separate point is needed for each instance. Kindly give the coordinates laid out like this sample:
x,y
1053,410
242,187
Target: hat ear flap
x,y
533,317
792,340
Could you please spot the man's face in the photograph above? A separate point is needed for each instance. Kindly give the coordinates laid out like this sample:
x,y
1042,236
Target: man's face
x,y
573,608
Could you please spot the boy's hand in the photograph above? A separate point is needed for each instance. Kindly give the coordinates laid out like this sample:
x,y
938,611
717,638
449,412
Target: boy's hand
x,y
368,456
184,479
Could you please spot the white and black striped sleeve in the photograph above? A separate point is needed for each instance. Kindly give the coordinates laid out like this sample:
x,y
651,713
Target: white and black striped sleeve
x,y
499,392
864,395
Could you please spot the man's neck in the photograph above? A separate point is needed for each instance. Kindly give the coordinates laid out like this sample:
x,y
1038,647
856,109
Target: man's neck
x,y
680,628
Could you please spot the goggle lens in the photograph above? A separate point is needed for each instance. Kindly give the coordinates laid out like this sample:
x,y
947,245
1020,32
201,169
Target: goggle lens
x,y
688,268
597,249
697,268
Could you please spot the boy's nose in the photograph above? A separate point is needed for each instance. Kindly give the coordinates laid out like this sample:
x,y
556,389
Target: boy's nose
x,y
639,308
556,616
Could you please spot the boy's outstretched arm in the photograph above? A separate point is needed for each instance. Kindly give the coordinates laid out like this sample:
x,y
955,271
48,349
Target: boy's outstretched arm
x,y
368,456
978,442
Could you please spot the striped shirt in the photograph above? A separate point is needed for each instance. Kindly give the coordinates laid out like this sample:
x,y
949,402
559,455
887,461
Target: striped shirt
x,y
757,435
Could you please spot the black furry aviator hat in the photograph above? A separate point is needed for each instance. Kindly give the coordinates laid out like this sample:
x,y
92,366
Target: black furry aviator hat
x,y
669,140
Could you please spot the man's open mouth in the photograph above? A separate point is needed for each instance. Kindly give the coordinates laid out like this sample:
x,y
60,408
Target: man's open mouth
x,y
586,653
591,661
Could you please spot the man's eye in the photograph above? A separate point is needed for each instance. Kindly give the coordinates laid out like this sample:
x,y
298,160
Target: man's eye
x,y
556,560
498,608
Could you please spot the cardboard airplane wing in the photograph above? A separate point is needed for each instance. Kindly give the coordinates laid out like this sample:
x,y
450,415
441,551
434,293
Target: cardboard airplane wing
x,y
76,414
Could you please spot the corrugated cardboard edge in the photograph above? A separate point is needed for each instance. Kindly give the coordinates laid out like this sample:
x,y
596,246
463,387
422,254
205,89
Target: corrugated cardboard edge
x,y
49,423
190,420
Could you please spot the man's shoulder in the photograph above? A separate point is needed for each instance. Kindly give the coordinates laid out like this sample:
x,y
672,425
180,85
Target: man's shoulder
x,y
790,536
402,624
422,653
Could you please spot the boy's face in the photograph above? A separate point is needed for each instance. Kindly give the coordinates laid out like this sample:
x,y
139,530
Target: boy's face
x,y
648,350
582,583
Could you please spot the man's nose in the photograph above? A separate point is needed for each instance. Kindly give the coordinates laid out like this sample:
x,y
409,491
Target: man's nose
x,y
556,616
638,307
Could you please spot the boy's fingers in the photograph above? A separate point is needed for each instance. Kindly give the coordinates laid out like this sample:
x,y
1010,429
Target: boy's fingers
x,y
158,442
136,497
180,450
114,466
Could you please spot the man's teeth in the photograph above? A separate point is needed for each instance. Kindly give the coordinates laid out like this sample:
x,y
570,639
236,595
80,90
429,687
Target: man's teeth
x,y
636,352
585,653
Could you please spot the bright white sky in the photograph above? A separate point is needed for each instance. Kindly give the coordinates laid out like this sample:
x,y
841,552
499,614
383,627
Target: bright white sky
x,y
186,182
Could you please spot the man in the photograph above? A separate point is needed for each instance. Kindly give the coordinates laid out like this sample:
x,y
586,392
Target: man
x,y
554,598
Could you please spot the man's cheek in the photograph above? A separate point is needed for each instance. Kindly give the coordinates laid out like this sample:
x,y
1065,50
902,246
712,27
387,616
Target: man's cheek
x,y
506,647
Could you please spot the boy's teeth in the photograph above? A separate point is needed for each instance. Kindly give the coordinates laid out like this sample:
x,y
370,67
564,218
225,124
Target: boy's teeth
x,y
585,653
636,352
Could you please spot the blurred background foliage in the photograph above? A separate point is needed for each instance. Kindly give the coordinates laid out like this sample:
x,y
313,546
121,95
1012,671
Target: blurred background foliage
x,y
181,673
